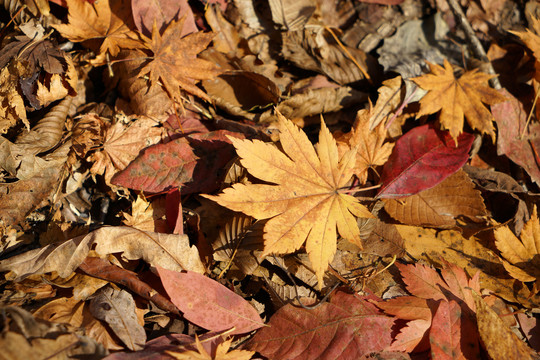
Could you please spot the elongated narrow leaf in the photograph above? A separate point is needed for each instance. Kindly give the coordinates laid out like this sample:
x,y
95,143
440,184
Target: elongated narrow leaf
x,y
209,304
423,158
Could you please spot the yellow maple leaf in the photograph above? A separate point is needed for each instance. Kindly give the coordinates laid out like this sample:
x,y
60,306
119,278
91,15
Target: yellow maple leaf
x,y
530,38
521,257
175,63
307,203
458,98
222,352
11,100
100,23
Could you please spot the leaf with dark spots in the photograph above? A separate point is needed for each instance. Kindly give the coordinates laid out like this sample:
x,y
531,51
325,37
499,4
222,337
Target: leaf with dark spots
x,y
192,163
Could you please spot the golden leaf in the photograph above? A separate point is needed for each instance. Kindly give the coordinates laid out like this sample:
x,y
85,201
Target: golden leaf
x,y
521,257
307,202
100,23
175,63
458,98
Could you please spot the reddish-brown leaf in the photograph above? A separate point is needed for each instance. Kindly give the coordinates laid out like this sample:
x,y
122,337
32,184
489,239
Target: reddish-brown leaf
x,y
347,327
162,12
445,333
192,163
423,158
209,304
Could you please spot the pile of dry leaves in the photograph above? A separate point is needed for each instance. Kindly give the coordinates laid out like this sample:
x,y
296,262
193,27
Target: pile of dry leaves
x,y
281,179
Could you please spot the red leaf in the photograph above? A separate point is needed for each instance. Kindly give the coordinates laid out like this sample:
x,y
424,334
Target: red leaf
x,y
347,327
421,159
406,307
445,333
412,337
208,304
192,162
511,120
422,281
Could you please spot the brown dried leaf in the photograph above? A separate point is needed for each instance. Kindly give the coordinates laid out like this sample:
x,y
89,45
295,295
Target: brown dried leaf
x,y
521,256
122,145
105,27
175,64
440,205
315,48
172,252
11,102
117,309
499,340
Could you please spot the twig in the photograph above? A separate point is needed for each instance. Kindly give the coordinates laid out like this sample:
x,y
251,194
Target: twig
x,y
477,48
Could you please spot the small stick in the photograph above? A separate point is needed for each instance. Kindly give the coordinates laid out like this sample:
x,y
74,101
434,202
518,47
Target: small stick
x,y
477,48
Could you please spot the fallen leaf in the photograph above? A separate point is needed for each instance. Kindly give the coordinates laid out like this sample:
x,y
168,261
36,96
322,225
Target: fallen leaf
x,y
511,120
421,159
306,204
103,26
499,341
162,12
456,98
169,251
175,63
347,327
12,103
191,163
117,309
445,334
222,353
521,256
209,304
440,205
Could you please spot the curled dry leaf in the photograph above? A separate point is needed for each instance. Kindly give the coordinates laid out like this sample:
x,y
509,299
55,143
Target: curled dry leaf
x,y
169,251
307,203
440,205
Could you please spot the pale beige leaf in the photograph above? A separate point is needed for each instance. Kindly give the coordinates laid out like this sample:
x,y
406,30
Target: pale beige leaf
x,y
117,309
172,252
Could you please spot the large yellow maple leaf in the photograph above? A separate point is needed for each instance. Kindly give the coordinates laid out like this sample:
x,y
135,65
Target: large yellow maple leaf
x,y
307,202
521,257
458,98
102,26
175,63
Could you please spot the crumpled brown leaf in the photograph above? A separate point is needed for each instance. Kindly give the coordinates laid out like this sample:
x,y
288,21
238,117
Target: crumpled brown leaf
x,y
169,251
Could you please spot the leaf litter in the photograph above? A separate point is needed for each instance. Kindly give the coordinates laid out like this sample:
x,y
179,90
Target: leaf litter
x,y
280,180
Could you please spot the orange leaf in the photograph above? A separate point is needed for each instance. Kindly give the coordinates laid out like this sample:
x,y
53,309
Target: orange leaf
x,y
100,23
458,98
175,63
307,204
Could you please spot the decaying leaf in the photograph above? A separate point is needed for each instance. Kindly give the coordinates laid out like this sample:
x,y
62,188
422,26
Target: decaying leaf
x,y
169,251
306,204
458,98
521,256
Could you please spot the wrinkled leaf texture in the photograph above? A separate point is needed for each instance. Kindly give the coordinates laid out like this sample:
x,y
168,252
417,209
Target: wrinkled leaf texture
x,y
347,327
